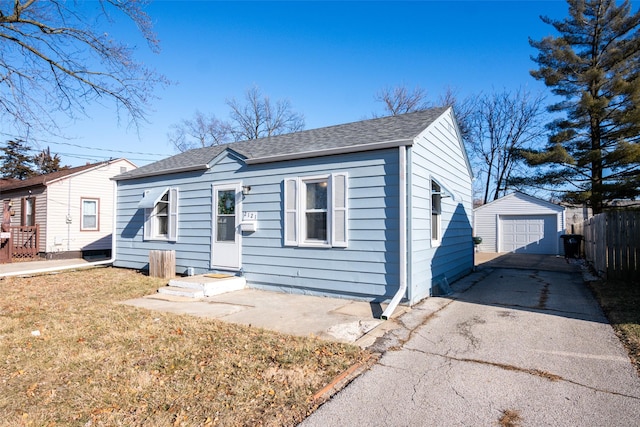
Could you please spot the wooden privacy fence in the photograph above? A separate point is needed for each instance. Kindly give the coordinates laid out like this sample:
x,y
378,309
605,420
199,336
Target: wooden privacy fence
x,y
612,244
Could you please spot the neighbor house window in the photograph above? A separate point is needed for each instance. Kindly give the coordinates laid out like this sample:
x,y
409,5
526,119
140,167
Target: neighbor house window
x,y
315,211
436,212
28,217
160,214
89,215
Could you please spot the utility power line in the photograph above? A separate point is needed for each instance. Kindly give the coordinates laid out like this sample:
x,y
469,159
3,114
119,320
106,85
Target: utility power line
x,y
108,150
85,147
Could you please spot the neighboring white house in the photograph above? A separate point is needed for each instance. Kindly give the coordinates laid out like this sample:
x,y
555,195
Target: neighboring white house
x,y
64,214
519,223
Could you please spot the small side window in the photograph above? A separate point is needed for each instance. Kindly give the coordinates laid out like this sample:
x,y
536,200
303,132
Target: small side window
x,y
28,217
89,215
436,212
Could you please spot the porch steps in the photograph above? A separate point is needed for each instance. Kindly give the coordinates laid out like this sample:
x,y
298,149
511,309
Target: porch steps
x,y
203,285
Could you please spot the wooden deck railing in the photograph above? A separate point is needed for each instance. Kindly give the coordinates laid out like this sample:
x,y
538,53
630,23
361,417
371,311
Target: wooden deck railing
x,y
25,241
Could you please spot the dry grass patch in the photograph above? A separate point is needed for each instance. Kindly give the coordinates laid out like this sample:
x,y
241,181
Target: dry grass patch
x,y
510,418
96,362
621,303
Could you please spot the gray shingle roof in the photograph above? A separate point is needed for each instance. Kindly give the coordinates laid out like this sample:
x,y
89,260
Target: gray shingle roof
x,y
356,136
40,180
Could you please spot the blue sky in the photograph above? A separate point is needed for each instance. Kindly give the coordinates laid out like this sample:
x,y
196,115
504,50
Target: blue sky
x,y
327,58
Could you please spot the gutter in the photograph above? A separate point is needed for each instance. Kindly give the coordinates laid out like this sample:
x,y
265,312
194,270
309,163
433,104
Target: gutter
x,y
190,168
403,236
84,264
331,151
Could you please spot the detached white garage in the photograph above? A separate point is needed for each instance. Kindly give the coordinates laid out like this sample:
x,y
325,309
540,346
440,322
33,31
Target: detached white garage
x,y
519,223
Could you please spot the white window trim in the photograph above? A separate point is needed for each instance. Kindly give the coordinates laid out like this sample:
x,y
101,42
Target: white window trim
x,y
295,209
172,218
82,214
302,209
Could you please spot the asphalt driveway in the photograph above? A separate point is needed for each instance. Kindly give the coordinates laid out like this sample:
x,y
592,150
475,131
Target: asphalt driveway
x,y
526,344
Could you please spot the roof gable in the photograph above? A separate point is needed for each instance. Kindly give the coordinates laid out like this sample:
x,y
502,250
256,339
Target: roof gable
x,y
46,179
522,196
350,137
449,117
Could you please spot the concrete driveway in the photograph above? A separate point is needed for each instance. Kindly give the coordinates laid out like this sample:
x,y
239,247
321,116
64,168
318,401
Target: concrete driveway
x,y
522,345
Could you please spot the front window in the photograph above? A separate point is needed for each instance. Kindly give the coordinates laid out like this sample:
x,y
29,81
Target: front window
x,y
161,214
89,215
316,210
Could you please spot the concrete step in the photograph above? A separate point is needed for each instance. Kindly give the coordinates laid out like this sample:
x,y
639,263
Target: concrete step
x,y
204,285
181,291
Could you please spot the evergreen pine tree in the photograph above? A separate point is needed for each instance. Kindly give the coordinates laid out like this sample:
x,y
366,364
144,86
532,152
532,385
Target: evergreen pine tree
x,y
593,152
15,161
46,163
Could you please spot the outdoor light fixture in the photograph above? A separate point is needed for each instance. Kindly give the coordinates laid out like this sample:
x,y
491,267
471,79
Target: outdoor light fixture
x,y
246,189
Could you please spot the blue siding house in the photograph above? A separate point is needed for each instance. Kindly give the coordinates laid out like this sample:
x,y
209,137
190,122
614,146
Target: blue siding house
x,y
376,210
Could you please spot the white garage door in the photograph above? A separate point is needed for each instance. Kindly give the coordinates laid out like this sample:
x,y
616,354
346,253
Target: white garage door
x,y
534,234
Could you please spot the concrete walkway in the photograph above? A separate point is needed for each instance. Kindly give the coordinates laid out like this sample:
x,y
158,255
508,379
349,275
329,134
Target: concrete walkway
x,y
24,267
334,319
525,345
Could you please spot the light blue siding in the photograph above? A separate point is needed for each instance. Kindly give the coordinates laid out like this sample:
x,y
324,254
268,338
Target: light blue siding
x,y
438,154
366,269
369,267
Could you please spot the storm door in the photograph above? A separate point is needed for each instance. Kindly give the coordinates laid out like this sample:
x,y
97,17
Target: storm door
x,y
227,238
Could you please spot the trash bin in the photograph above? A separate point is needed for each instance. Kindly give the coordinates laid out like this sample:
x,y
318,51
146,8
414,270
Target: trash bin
x,y
571,245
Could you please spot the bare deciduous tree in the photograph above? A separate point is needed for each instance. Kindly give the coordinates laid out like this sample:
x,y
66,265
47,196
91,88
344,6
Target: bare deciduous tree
x,y
259,117
57,56
200,131
401,100
502,125
463,110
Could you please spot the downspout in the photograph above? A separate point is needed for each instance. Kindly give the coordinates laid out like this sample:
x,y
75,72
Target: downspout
x,y
84,264
403,235
68,218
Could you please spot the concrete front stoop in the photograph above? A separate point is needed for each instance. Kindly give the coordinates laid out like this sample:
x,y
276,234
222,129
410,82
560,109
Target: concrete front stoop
x,y
203,285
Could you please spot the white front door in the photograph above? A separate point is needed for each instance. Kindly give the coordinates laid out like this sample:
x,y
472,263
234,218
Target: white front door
x,y
227,238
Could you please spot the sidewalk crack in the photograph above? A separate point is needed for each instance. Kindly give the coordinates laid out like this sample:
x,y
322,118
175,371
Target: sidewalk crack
x,y
534,372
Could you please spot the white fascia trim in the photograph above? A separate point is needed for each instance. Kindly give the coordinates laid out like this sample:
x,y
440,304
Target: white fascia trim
x,y
332,151
95,167
165,172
